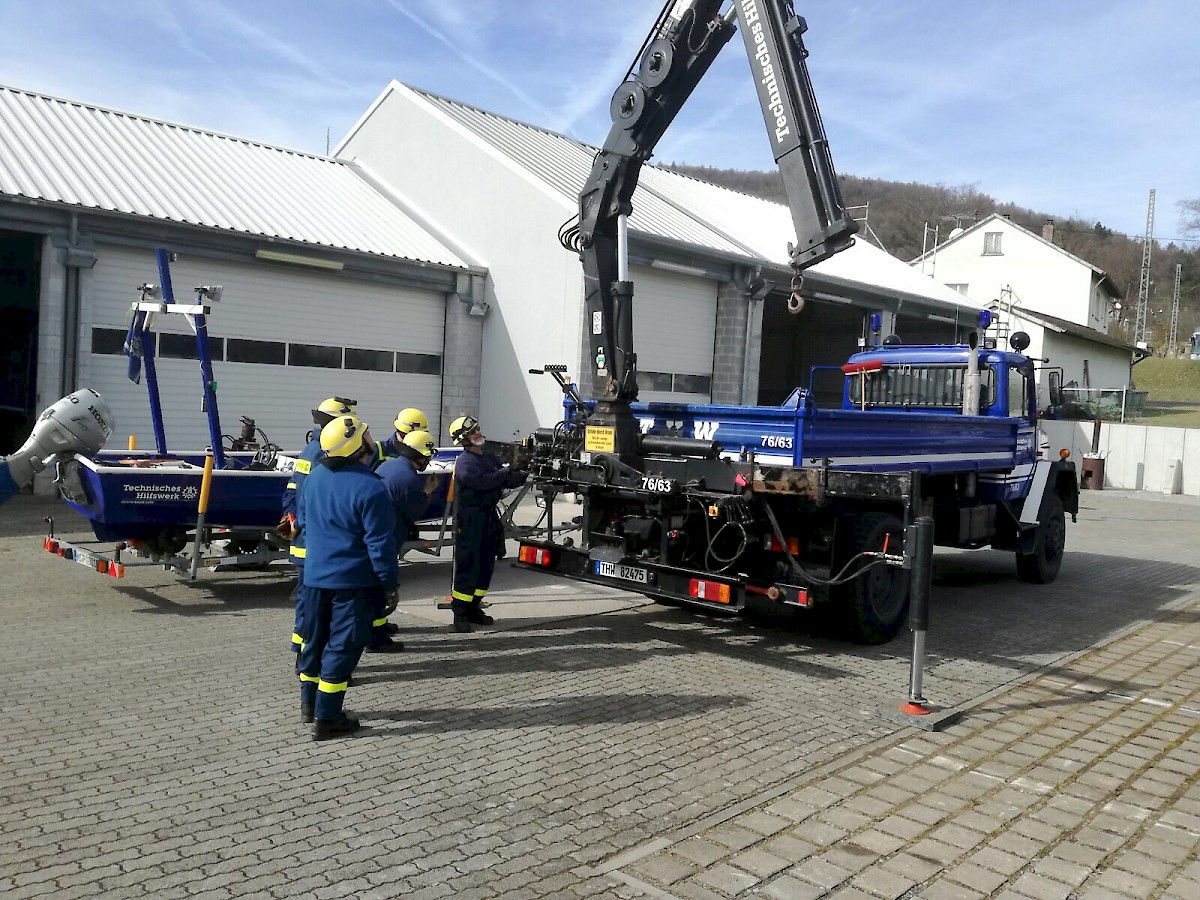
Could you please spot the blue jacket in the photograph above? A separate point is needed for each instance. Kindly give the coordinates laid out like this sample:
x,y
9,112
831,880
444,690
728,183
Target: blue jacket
x,y
406,486
349,529
291,495
480,480
388,448
8,487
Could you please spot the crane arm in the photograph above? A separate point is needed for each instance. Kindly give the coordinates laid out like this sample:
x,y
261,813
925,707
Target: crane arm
x,y
681,47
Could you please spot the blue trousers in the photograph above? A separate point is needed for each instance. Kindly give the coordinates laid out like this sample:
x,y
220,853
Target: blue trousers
x,y
336,627
298,602
477,538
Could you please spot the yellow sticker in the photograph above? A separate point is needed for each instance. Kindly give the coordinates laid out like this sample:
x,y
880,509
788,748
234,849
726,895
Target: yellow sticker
x,y
600,438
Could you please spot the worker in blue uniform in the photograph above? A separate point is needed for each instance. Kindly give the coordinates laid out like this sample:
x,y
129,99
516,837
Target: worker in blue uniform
x,y
288,527
350,570
408,420
407,489
406,485
8,487
479,481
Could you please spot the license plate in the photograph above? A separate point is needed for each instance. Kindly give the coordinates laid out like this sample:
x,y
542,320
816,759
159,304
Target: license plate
x,y
625,573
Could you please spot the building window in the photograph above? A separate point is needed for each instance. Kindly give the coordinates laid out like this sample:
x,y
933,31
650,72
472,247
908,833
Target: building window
x,y
108,341
991,243
419,363
654,381
314,355
961,288
693,384
369,360
183,346
271,353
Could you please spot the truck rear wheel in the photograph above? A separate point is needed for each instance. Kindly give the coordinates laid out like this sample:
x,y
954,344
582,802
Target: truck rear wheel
x,y
1042,565
873,605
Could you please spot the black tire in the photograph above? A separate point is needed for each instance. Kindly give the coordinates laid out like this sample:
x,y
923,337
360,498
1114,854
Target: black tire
x,y
1042,565
873,607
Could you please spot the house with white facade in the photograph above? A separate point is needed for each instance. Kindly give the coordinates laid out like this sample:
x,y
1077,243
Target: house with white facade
x,y
1034,285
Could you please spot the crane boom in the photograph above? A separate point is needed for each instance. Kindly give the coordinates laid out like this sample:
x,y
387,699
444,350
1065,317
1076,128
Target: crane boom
x,y
686,39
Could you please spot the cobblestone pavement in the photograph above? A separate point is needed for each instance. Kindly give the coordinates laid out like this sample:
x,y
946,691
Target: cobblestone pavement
x,y
602,746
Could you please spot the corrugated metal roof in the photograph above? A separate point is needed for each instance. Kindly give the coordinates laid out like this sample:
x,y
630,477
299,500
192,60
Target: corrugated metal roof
x,y
676,207
64,151
564,164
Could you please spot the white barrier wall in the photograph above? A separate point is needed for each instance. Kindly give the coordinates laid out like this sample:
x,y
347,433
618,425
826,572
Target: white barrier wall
x,y
1136,457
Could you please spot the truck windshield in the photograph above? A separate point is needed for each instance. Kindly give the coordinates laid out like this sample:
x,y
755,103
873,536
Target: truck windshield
x,y
917,386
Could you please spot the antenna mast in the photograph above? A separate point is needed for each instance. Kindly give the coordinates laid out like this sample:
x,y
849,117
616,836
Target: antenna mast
x,y
1174,312
1139,328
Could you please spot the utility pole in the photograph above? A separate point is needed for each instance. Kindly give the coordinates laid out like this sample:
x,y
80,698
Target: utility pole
x,y
1174,313
1139,328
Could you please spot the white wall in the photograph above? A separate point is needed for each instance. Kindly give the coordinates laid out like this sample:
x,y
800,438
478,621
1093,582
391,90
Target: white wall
x,y
500,216
1108,367
1136,457
1043,278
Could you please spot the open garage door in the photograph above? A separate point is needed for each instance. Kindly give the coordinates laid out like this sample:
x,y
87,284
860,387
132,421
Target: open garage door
x,y
282,340
19,266
674,330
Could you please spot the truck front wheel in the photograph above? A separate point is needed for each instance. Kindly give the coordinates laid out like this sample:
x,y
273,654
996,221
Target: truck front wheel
x,y
1041,566
875,603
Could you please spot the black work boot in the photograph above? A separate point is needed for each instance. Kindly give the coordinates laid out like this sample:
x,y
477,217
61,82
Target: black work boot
x,y
477,615
390,628
381,643
462,616
325,729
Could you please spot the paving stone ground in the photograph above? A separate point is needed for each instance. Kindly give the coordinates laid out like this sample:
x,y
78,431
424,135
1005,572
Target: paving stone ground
x,y
598,745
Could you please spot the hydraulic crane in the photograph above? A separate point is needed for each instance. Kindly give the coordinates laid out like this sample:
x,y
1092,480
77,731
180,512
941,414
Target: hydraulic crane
x,y
685,39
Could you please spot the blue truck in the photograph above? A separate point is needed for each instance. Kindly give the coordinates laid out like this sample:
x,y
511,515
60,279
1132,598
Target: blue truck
x,y
744,507
729,507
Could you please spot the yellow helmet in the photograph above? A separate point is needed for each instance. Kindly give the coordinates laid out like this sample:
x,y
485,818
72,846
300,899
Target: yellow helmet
x,y
334,406
411,419
421,443
461,427
342,437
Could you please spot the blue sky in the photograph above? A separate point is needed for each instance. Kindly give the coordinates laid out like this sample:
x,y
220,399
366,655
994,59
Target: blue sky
x,y
1071,107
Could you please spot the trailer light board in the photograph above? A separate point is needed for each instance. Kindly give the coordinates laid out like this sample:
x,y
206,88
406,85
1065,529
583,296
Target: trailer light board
x,y
535,556
703,589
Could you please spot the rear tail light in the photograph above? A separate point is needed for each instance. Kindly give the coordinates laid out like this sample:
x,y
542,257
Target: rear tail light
x,y
535,556
702,589
793,544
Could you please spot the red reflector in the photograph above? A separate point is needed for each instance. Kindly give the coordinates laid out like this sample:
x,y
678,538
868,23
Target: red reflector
x,y
51,545
116,570
702,589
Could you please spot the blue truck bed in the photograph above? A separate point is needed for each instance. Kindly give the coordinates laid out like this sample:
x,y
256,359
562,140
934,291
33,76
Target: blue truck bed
x,y
800,434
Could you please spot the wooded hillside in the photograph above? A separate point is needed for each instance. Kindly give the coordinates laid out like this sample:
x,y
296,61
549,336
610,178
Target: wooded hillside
x,y
898,212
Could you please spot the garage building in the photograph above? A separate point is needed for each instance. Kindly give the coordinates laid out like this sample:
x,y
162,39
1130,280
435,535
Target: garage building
x,y
330,287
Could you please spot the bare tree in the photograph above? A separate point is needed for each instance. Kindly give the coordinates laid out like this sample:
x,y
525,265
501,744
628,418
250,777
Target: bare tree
x,y
1190,211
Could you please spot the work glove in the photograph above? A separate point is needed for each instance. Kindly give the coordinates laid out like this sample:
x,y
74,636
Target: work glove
x,y
286,528
516,477
391,599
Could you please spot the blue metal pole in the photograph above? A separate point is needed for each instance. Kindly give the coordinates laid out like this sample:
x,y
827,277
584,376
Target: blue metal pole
x,y
208,384
147,341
